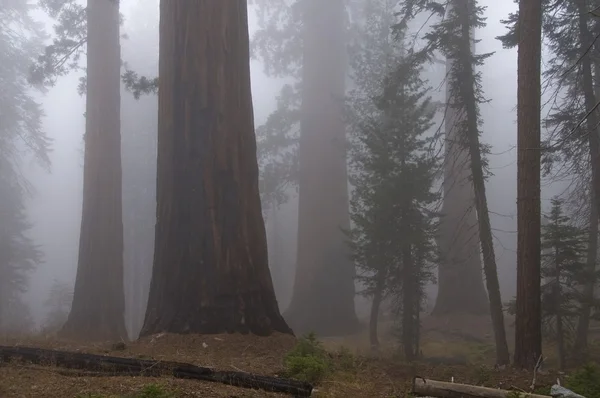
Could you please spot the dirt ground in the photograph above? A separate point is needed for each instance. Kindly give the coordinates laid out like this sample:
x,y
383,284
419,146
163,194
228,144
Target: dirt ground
x,y
372,376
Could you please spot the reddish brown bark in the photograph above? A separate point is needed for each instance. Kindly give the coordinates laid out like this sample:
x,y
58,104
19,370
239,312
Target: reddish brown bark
x,y
323,298
587,40
211,272
98,306
528,336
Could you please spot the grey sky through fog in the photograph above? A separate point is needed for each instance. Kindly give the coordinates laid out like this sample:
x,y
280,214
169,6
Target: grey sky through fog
x,y
56,208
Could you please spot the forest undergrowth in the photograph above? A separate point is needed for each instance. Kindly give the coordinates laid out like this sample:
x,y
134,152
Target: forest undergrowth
x,y
338,367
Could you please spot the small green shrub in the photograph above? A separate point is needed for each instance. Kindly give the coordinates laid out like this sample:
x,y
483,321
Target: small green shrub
x,y
345,360
308,361
585,381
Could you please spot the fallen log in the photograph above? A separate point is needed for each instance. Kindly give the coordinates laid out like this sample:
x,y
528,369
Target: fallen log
x,y
440,389
141,367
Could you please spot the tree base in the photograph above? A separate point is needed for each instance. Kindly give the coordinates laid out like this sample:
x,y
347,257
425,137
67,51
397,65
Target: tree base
x,y
87,328
245,313
305,320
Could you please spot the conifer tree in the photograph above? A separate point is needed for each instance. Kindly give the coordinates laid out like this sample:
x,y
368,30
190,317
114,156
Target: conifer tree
x,y
452,37
393,171
563,273
571,145
21,136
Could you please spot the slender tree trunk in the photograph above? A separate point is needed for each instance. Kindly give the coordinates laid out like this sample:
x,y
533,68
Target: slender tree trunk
x,y
375,309
458,240
408,303
211,272
528,323
467,92
581,334
98,306
323,296
560,333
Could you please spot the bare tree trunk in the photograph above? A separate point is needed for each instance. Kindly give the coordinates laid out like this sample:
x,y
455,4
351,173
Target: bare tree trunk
x,y
560,333
211,272
324,293
375,309
98,306
408,303
581,334
458,239
467,91
528,333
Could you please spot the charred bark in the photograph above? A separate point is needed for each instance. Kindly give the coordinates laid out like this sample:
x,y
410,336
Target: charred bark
x,y
117,366
98,306
528,324
211,272
323,296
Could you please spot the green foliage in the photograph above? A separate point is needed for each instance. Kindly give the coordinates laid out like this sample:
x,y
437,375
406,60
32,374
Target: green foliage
x,y
308,361
154,391
585,381
21,137
393,168
148,391
564,248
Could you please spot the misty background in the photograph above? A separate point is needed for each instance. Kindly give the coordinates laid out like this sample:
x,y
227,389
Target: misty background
x,y
55,208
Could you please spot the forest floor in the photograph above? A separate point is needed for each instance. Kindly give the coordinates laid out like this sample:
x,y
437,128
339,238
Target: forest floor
x,y
369,376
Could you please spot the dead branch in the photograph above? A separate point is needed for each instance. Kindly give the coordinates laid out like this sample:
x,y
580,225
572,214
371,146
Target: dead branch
x,y
433,388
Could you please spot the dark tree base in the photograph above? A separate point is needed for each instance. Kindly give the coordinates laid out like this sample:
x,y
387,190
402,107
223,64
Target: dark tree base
x,y
305,320
248,313
86,328
106,365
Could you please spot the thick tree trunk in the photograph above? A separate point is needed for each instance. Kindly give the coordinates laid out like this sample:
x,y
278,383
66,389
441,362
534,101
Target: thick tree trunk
x,y
211,272
528,325
98,306
587,39
323,297
375,309
458,240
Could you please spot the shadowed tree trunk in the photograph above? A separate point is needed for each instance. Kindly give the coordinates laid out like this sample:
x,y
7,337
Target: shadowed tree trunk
x,y
323,297
528,324
211,272
98,300
458,240
587,40
375,309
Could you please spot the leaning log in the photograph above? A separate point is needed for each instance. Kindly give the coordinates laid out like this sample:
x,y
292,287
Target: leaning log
x,y
141,367
440,389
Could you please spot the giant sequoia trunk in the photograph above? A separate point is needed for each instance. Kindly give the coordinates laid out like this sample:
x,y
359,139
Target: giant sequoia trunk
x,y
211,272
458,239
528,326
323,298
98,299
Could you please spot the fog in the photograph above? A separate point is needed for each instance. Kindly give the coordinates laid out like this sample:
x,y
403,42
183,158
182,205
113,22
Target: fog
x,y
55,209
